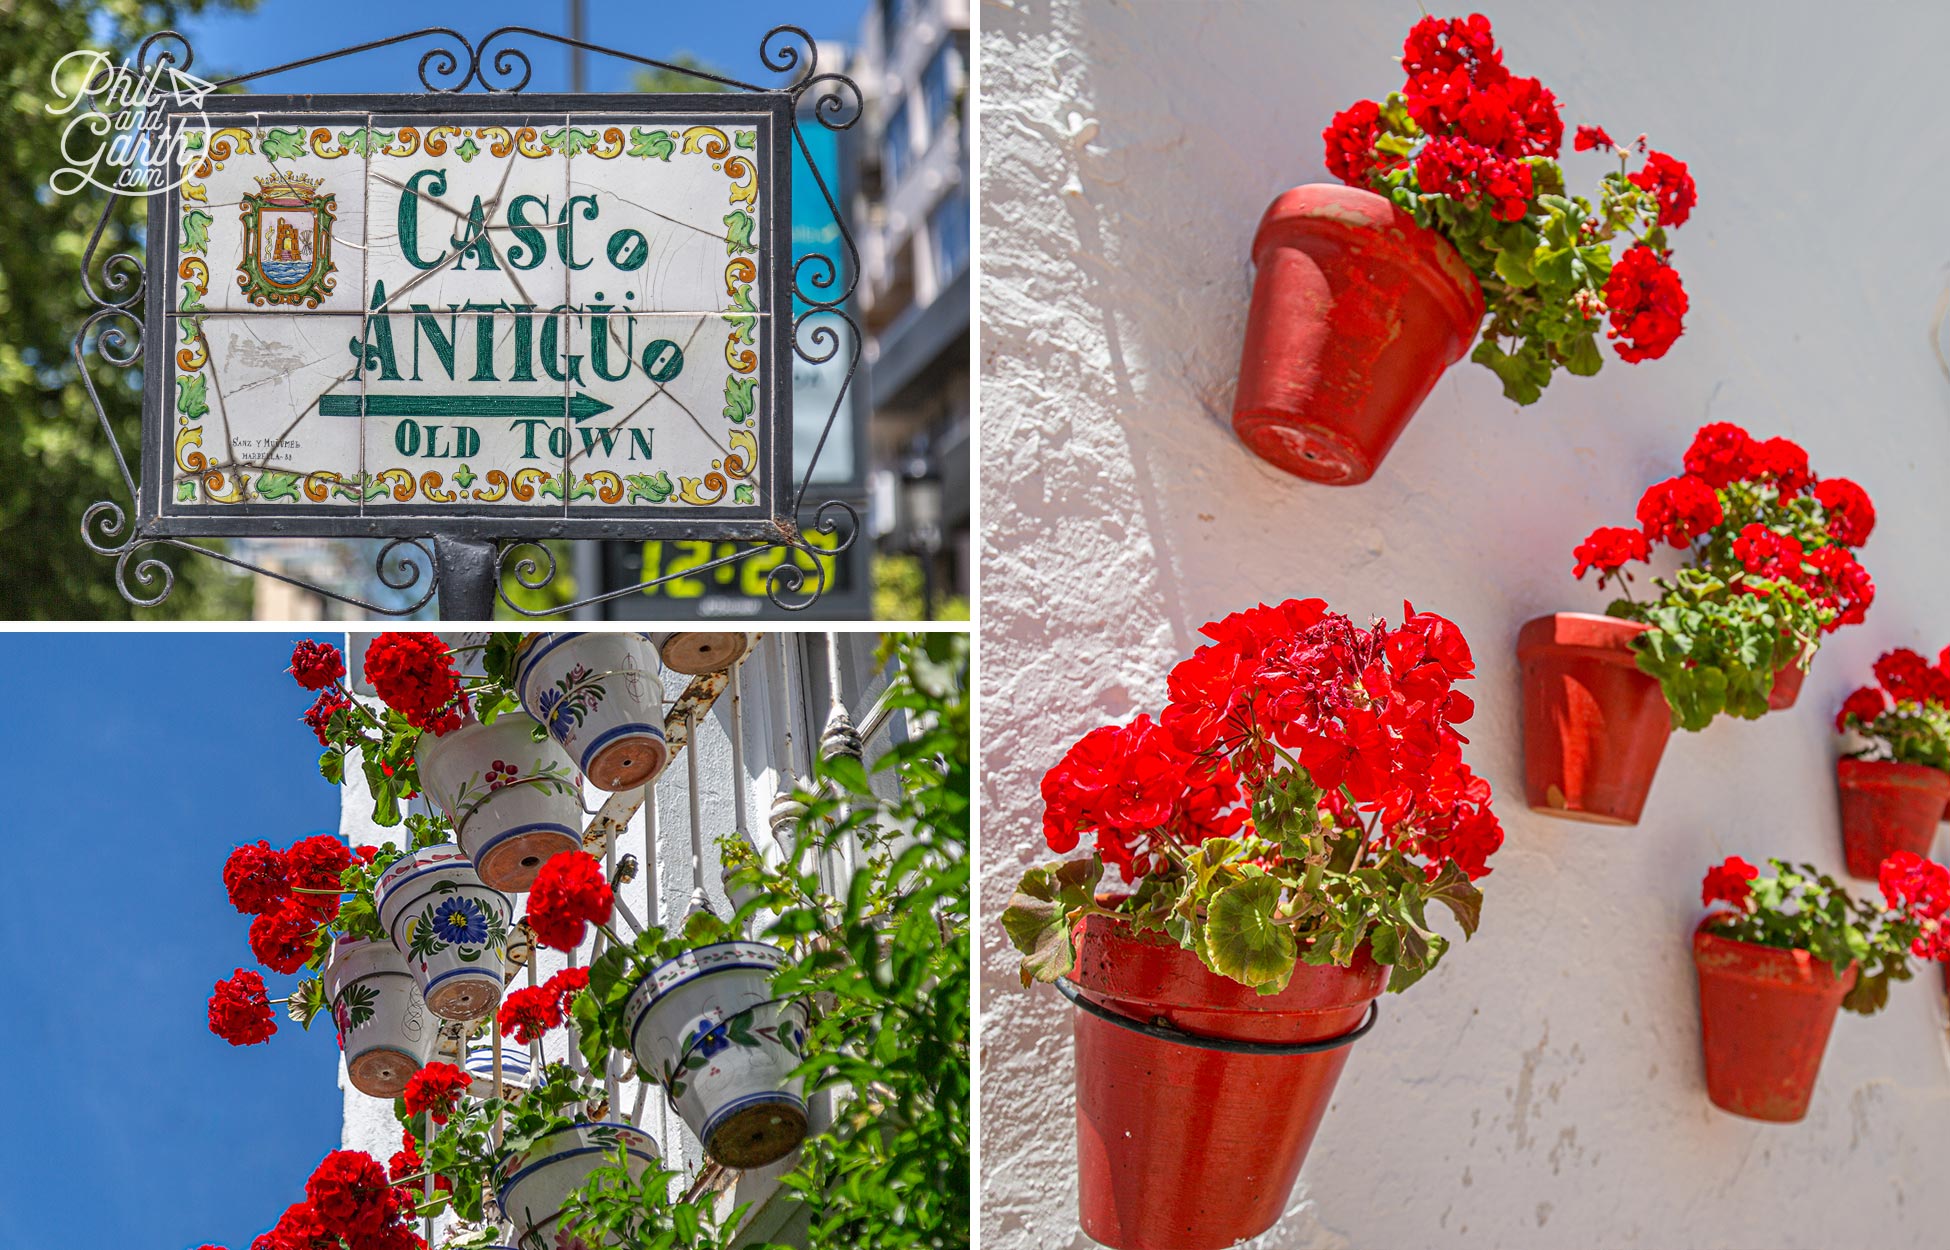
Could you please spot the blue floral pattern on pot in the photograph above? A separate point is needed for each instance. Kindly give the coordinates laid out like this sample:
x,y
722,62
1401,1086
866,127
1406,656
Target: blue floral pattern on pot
x,y
461,920
711,1038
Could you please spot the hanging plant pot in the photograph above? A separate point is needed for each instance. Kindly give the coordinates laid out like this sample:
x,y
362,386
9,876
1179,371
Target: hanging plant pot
x,y
708,1025
1888,807
601,698
1356,312
1765,1015
694,651
383,1024
1787,685
1182,1146
533,1185
450,927
513,800
517,1069
1594,726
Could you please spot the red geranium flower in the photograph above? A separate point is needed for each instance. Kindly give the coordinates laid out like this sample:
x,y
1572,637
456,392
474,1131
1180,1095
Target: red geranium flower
x,y
414,673
255,878
528,1013
316,863
316,665
1783,460
569,892
299,1228
1851,516
1769,553
1609,549
1647,304
1728,883
282,940
351,1194
240,1011
1865,707
436,1089
406,1163
1679,510
1436,45
1920,889
1589,137
1667,181
1470,173
319,715
1721,454
1350,139
1841,585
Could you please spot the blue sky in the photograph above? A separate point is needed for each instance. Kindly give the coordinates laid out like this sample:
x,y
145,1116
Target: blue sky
x,y
136,761
279,31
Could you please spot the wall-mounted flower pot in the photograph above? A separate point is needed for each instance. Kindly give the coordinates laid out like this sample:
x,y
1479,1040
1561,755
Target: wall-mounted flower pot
x,y
1787,685
517,1069
450,927
514,801
697,651
601,697
1356,312
1181,1148
1594,726
383,1024
1765,1015
533,1185
1888,807
708,1024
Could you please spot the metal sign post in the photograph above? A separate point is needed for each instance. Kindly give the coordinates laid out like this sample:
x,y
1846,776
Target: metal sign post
x,y
468,323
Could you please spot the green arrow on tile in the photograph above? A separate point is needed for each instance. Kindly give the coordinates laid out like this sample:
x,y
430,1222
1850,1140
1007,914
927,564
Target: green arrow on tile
x,y
581,406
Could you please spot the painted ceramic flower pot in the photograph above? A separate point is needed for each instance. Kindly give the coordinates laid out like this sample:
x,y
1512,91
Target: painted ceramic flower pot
x,y
1787,686
1765,1015
724,1047
513,800
517,1069
695,651
532,1185
1594,725
1190,1149
384,1027
1888,807
602,698
450,927
1356,312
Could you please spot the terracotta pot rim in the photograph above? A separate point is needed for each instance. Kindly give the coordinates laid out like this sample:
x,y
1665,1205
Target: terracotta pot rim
x,y
1355,213
1889,774
1604,637
1790,970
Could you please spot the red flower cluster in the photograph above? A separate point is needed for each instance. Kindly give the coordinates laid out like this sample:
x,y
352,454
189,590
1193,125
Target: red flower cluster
x,y
531,1012
316,665
1666,181
1589,137
1686,509
255,877
240,1011
350,1204
569,893
1920,889
1466,171
1609,549
1903,677
414,673
1351,153
1729,883
1371,710
319,715
1135,788
406,1164
436,1089
317,863
1647,304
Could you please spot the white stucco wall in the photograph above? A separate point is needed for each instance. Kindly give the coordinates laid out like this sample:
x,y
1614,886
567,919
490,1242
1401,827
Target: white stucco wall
x,y
1543,1088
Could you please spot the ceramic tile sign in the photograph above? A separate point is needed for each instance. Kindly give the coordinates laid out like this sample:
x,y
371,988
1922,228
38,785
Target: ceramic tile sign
x,y
516,314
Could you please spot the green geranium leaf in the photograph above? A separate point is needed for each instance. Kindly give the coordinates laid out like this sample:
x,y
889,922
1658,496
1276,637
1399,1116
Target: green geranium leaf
x,y
1039,917
1243,938
1454,890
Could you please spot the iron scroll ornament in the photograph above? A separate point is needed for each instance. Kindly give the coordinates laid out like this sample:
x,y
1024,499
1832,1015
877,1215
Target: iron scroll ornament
x,y
115,331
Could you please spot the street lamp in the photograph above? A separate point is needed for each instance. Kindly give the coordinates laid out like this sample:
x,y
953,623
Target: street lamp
x,y
921,490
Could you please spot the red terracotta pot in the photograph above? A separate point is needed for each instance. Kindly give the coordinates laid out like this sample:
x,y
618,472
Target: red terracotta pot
x,y
1888,807
1594,726
1787,685
1187,1149
1356,312
1765,1015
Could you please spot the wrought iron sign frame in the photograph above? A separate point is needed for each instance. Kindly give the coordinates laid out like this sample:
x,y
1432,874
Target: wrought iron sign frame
x,y
456,554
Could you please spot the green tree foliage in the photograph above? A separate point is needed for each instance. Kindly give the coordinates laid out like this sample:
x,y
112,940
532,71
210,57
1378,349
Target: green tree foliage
x,y
54,459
